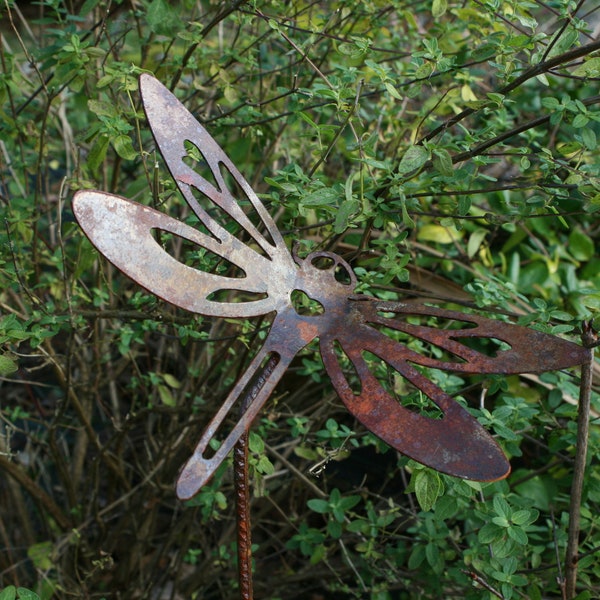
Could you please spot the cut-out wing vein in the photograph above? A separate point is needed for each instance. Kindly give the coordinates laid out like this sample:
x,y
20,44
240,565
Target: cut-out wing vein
x,y
529,351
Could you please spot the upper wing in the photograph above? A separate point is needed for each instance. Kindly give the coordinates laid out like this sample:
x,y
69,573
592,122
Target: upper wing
x,y
455,443
183,142
124,231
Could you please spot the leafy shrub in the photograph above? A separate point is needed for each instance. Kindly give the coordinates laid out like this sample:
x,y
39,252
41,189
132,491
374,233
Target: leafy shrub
x,y
448,150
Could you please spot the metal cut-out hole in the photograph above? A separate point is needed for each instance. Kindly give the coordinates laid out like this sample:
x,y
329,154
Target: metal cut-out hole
x,y
305,305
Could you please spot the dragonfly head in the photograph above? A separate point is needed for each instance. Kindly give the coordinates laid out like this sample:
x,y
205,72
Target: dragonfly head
x,y
324,277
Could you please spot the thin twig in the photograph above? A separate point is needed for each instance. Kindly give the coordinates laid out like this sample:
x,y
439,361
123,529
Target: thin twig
x,y
44,500
530,73
588,338
483,583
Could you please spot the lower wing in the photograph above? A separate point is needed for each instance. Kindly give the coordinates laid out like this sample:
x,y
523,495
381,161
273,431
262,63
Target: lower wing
x,y
455,443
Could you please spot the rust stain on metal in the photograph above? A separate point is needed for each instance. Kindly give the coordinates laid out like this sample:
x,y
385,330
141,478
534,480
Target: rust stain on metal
x,y
348,325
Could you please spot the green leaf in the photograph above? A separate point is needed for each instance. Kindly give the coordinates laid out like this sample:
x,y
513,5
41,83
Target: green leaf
x,y
25,594
124,147
416,557
588,135
322,197
7,366
442,161
88,6
165,395
503,546
318,505
581,246
438,8
171,381
523,517
580,121
255,443
551,103
334,529
414,158
392,91
590,68
517,534
501,521
265,466
534,592
434,557
446,507
464,205
501,506
97,153
428,487
306,453
406,218
475,240
437,233
566,40
41,555
8,593
345,211
348,502
102,109
318,554
489,533
163,18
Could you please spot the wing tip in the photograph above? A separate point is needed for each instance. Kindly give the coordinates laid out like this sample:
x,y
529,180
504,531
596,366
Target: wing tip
x,y
147,81
495,470
83,201
191,479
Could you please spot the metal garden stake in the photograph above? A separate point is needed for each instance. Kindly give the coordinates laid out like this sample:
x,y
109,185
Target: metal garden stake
x,y
349,324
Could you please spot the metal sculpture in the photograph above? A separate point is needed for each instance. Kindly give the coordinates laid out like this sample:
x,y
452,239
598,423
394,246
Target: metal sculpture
x,y
347,323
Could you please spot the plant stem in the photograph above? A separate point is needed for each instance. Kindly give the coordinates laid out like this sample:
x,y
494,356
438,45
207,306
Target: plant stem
x,y
585,392
45,500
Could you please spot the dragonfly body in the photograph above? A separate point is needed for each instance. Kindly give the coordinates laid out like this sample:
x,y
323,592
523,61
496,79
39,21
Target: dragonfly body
x,y
347,325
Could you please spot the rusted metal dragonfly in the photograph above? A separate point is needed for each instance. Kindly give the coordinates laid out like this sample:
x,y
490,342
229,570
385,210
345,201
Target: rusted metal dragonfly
x,y
348,325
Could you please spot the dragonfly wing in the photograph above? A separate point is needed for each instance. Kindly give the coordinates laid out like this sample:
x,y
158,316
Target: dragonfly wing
x,y
177,133
124,231
257,384
248,395
463,338
456,444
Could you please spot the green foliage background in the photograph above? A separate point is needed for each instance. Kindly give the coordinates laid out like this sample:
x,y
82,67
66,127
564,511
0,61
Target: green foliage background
x,y
448,150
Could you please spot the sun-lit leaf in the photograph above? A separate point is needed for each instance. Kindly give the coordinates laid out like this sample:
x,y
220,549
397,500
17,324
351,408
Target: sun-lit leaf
x,y
438,8
439,234
414,158
166,396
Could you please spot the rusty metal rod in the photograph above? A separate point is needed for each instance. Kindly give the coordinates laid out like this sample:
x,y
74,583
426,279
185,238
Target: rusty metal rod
x,y
242,499
242,484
